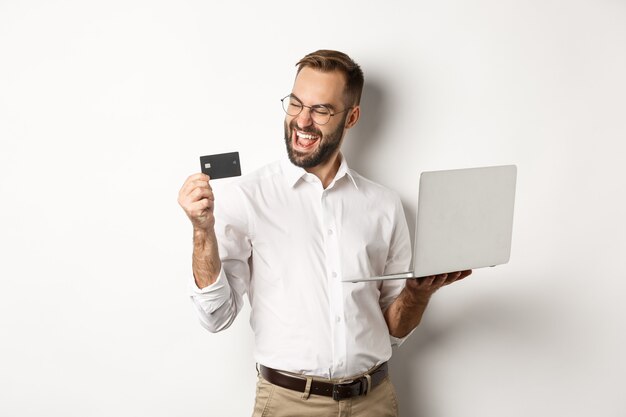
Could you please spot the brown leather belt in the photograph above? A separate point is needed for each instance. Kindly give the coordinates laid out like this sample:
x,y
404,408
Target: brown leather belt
x,y
339,391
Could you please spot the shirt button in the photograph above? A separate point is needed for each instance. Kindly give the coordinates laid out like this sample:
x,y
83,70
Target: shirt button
x,y
338,319
334,274
340,364
330,231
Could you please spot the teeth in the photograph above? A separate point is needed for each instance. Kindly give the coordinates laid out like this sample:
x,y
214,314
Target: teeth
x,y
305,136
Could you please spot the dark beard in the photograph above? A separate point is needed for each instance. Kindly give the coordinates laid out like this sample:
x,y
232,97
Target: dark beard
x,y
326,148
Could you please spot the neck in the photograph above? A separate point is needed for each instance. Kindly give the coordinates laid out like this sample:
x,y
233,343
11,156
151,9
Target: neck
x,y
326,171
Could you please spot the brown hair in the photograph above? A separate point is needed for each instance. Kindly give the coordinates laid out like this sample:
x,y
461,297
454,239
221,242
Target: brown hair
x,y
327,60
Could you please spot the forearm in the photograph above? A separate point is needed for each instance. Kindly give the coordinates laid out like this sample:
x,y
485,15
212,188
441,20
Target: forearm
x,y
206,262
405,313
216,302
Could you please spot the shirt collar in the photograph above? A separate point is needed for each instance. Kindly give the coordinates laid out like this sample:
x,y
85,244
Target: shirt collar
x,y
294,173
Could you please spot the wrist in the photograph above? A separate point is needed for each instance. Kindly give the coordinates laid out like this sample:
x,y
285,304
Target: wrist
x,y
201,233
204,239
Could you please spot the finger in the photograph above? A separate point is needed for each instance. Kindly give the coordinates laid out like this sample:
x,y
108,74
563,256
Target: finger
x,y
200,193
420,284
197,195
426,281
199,208
198,178
195,180
189,190
452,277
440,280
457,276
464,274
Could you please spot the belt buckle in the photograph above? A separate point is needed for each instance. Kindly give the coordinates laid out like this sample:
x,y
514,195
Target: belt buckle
x,y
350,385
336,392
337,395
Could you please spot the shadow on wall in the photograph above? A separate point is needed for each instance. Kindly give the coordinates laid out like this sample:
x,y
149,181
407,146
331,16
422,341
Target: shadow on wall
x,y
360,142
501,323
407,363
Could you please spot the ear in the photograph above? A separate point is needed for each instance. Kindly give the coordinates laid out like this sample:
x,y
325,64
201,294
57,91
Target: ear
x,y
353,117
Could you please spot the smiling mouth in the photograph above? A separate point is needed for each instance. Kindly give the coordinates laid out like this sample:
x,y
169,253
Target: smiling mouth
x,y
305,141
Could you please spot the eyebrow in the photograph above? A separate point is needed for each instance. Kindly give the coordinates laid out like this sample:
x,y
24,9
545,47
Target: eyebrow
x,y
327,105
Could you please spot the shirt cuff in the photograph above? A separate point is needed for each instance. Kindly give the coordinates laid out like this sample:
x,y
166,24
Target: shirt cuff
x,y
398,341
215,294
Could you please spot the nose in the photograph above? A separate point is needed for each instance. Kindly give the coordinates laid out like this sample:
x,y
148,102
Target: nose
x,y
304,118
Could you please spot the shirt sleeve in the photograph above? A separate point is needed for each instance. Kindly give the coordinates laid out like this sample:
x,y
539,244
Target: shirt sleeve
x,y
218,304
398,261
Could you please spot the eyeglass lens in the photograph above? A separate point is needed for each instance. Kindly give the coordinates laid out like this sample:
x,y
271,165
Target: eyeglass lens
x,y
319,113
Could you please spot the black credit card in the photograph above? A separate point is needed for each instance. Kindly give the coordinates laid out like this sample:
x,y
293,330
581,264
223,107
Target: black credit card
x,y
222,165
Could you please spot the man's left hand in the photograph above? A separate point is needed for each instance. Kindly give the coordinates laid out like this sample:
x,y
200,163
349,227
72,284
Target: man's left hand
x,y
405,313
426,286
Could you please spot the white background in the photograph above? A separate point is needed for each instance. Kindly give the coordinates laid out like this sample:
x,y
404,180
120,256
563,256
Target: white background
x,y
106,106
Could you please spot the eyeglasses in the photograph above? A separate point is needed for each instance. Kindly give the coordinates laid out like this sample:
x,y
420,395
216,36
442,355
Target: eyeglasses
x,y
320,114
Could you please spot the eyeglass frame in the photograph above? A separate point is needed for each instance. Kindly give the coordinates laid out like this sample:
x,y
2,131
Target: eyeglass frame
x,y
312,109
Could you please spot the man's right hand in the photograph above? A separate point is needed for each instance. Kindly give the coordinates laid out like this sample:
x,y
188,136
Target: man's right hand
x,y
196,198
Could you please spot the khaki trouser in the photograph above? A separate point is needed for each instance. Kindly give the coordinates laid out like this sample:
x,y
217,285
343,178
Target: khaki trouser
x,y
275,401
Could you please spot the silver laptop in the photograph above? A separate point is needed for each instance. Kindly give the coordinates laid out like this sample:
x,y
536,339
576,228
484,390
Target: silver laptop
x,y
464,221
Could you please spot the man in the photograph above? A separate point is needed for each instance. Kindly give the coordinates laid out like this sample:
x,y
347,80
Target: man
x,y
286,234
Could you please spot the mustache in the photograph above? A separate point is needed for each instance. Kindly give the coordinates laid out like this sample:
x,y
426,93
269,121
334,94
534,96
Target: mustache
x,y
312,129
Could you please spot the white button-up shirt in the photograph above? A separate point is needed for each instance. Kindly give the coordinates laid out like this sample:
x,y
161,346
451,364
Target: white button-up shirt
x,y
287,242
